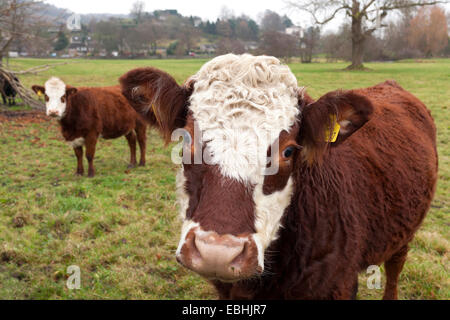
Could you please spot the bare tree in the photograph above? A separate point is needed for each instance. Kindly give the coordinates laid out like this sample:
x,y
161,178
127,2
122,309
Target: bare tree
x,y
396,36
226,13
366,16
337,45
227,45
108,35
181,29
309,43
428,31
278,44
224,28
18,18
137,11
271,21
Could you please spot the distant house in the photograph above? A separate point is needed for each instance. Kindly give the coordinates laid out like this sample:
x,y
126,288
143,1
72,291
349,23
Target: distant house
x,y
80,46
161,51
75,40
71,53
251,46
164,14
208,48
197,22
295,31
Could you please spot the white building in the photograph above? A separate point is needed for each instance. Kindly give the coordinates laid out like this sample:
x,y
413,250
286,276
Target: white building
x,y
295,31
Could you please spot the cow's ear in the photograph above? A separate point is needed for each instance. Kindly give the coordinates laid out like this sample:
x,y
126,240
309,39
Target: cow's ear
x,y
158,98
330,120
39,90
70,91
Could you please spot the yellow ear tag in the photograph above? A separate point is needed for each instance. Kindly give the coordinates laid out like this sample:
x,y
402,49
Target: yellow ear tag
x,y
39,93
332,137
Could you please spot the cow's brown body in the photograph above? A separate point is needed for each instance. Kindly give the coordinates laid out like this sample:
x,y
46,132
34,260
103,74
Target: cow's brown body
x,y
102,112
351,203
361,207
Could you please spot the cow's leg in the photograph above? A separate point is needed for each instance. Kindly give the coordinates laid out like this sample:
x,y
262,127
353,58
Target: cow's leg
x,y
393,268
131,138
91,143
4,99
79,154
141,130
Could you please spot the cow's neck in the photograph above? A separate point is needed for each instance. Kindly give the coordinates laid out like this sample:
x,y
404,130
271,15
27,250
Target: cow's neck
x,y
71,123
68,117
312,225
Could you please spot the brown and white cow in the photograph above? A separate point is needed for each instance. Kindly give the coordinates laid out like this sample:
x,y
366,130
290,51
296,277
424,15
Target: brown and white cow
x,y
85,114
333,207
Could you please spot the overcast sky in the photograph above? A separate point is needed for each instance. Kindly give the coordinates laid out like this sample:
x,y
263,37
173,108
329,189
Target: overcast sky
x,y
205,9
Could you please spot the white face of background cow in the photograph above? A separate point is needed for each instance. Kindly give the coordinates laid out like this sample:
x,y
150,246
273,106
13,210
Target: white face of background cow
x,y
56,93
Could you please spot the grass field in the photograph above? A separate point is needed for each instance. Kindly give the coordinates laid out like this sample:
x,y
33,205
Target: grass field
x,y
121,227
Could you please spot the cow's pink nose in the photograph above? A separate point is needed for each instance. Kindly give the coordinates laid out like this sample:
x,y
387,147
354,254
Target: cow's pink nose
x,y
222,257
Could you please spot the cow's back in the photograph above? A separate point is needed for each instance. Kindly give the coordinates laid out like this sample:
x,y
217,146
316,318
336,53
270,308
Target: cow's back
x,y
394,165
115,114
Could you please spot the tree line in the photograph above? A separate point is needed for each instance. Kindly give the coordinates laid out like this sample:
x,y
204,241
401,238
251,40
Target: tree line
x,y
418,30
417,33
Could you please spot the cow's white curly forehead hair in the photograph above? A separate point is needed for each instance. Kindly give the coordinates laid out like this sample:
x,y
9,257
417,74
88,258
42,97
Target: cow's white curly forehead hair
x,y
241,104
55,84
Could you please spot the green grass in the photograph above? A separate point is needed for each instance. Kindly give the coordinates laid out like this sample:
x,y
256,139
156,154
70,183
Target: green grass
x,y
121,228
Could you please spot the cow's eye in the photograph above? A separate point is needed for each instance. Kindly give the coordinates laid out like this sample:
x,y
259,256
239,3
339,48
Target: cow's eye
x,y
288,152
63,99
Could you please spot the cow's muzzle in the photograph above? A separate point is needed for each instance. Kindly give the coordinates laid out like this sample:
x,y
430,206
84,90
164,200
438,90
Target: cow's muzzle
x,y
53,114
219,257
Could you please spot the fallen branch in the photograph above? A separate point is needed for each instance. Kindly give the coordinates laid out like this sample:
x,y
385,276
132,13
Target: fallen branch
x,y
38,69
25,94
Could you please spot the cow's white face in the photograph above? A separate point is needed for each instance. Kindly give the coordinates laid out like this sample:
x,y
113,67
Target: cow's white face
x,y
55,98
242,105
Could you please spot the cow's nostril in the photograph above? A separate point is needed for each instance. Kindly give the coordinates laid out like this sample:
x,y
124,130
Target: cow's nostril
x,y
242,256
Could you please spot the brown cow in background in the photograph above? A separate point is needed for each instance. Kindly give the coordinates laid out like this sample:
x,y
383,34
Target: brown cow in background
x,y
356,174
85,114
